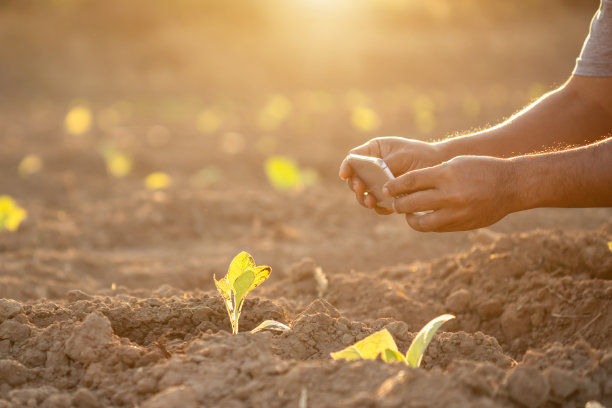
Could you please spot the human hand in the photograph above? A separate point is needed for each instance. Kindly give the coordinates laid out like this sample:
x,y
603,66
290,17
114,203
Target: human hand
x,y
464,193
400,155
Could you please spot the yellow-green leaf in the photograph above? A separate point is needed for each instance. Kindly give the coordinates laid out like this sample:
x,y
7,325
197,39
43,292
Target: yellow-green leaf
x,y
283,173
349,354
158,181
261,274
376,343
393,355
29,165
271,325
242,277
365,119
242,285
11,214
423,338
373,345
118,164
610,245
223,287
78,120
240,264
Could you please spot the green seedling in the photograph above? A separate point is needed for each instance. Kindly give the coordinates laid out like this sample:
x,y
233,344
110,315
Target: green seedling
x,y
242,277
11,214
382,343
610,245
284,174
118,164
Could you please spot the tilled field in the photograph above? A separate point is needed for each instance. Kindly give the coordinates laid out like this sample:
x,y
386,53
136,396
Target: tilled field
x,y
106,289
121,311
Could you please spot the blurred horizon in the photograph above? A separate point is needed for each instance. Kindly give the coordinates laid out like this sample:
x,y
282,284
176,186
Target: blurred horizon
x,y
215,49
210,90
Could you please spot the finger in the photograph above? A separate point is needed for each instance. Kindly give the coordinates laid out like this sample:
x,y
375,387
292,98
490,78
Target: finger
x,y
411,182
357,185
383,211
399,163
370,201
435,221
420,201
369,148
360,199
346,170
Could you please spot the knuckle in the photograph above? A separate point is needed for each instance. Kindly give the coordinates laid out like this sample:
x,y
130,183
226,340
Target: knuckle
x,y
457,198
408,181
404,204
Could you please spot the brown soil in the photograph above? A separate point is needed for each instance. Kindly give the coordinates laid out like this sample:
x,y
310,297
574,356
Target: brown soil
x,y
106,290
113,303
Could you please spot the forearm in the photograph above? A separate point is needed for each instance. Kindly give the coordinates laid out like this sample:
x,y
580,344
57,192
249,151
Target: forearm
x,y
573,115
580,177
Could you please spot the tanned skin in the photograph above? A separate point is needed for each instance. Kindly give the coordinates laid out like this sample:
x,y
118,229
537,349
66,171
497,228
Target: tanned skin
x,y
557,152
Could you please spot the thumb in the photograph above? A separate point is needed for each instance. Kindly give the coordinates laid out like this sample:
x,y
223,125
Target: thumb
x,y
400,162
370,148
411,182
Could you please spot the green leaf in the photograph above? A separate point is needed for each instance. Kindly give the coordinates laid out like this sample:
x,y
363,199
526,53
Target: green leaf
x,y
261,274
240,264
11,215
349,354
271,325
393,355
242,277
423,338
283,173
242,285
224,288
370,347
375,344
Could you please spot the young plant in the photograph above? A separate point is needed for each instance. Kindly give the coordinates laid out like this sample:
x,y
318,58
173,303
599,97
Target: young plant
x,y
242,277
11,214
382,343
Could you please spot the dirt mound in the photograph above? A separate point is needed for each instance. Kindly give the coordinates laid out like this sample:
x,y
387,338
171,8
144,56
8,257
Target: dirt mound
x,y
532,329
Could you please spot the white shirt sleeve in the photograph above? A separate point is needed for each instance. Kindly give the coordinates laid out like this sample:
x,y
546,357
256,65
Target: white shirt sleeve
x,y
596,56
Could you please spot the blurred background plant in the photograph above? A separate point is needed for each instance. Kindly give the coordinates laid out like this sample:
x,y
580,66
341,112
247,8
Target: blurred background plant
x,y
209,90
11,214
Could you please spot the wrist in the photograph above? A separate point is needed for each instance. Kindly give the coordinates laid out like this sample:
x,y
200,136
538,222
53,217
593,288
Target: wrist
x,y
445,150
527,189
457,146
